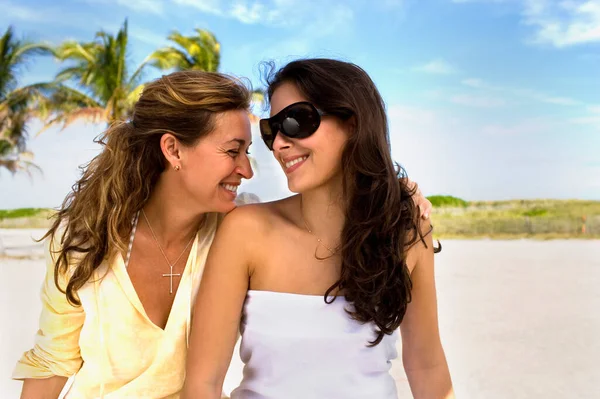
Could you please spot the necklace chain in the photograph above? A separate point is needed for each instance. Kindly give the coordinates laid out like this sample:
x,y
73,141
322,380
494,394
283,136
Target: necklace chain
x,y
171,274
160,247
331,251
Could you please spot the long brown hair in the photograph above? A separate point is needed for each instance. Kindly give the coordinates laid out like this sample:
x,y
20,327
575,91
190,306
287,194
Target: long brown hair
x,y
381,219
95,217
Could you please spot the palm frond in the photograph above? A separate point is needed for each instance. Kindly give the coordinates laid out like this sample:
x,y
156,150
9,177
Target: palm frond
x,y
68,116
58,104
133,96
14,57
200,51
20,162
169,58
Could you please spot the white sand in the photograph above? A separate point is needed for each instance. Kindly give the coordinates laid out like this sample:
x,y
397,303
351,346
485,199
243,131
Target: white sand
x,y
519,319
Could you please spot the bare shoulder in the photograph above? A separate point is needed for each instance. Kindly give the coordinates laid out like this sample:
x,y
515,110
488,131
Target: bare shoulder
x,y
247,218
420,245
258,218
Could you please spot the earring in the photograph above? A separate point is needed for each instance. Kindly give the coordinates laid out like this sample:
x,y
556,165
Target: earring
x,y
177,167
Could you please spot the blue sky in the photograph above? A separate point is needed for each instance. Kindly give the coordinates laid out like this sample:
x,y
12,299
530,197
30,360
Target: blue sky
x,y
487,99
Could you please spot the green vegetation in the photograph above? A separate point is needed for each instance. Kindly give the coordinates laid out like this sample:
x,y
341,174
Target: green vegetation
x,y
16,101
439,201
518,219
20,213
25,218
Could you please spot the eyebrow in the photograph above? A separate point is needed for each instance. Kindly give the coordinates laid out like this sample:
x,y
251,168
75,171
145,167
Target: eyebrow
x,y
240,141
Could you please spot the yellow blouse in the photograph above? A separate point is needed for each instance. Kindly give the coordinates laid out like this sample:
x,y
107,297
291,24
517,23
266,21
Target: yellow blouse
x,y
108,343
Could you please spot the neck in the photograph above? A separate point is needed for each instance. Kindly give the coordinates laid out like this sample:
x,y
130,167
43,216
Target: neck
x,y
172,218
322,210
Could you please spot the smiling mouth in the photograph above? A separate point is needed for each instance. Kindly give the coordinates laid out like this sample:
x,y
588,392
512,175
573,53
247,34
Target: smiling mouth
x,y
230,187
295,161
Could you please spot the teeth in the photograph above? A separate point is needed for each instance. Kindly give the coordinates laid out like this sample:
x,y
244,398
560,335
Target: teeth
x,y
295,161
230,187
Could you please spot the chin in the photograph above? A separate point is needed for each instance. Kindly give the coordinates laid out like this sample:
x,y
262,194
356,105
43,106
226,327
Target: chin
x,y
299,187
294,187
226,207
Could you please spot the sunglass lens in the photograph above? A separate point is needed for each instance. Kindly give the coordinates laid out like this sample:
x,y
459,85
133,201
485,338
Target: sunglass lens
x,y
266,133
290,127
301,121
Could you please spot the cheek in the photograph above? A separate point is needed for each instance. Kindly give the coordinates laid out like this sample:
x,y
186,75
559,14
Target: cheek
x,y
219,170
329,150
212,167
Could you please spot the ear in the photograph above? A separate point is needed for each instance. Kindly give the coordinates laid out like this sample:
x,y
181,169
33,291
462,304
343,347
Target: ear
x,y
171,149
350,125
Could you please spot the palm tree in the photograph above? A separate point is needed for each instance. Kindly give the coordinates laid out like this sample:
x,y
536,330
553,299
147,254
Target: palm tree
x,y
15,101
96,85
200,51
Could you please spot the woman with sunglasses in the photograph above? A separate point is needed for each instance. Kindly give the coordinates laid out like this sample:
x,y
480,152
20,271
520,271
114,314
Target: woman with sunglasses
x,y
320,283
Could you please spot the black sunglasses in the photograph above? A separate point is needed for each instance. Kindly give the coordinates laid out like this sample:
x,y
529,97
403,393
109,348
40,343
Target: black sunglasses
x,y
296,121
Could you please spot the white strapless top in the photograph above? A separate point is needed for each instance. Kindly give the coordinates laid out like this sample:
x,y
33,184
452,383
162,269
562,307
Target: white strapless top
x,y
298,347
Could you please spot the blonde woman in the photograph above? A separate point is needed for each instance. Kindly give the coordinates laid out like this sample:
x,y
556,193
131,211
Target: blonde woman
x,y
127,249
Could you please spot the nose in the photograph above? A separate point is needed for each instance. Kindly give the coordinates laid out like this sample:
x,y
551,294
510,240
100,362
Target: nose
x,y
281,141
244,167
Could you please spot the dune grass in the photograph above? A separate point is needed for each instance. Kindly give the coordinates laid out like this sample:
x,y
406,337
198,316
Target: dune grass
x,y
25,218
544,219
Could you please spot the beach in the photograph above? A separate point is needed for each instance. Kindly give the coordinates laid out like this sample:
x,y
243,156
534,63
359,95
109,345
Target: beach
x,y
518,319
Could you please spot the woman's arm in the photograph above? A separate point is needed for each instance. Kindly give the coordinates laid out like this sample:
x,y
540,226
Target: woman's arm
x,y
44,388
55,355
422,353
219,304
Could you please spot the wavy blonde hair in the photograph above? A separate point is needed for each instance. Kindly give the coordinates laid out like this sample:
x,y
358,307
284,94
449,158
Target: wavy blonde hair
x,y
95,217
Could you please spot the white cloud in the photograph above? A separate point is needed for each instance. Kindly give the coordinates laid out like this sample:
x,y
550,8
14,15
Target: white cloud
x,y
249,14
523,93
322,17
301,37
438,67
563,23
558,23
